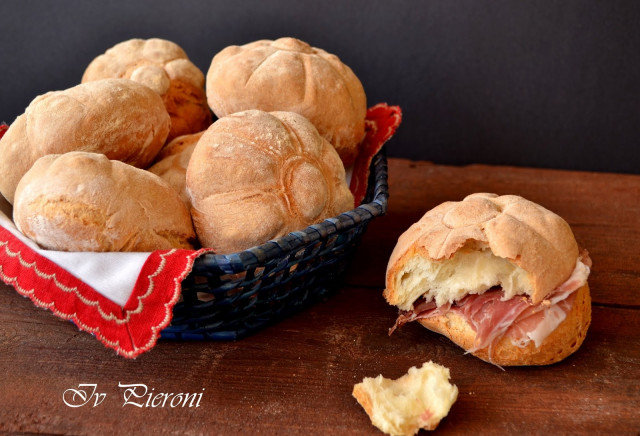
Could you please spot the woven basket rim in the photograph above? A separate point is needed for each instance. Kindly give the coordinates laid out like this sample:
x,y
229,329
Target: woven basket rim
x,y
258,255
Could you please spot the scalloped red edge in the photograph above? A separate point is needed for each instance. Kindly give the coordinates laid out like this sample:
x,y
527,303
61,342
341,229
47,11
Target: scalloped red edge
x,y
129,330
381,123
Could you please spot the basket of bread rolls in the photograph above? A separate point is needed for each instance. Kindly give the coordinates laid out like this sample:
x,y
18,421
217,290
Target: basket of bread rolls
x,y
271,162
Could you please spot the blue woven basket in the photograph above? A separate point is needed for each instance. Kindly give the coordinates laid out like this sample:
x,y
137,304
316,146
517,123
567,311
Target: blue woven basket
x,y
231,296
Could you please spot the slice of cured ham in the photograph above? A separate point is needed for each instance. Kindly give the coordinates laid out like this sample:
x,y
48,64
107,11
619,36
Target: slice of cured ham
x,y
491,317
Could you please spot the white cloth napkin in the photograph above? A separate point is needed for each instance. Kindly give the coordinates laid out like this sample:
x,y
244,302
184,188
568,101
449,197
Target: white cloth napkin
x,y
113,275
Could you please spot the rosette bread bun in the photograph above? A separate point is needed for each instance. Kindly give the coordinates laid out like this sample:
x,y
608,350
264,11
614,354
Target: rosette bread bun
x,y
289,75
164,67
119,118
85,202
500,276
173,161
255,176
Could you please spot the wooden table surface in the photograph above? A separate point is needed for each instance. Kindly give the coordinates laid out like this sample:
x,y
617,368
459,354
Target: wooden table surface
x,y
297,376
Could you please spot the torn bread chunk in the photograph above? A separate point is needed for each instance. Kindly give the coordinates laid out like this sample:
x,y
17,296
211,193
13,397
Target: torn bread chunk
x,y
419,399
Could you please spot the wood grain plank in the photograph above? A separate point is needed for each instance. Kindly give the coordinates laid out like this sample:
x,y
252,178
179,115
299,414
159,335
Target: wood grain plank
x,y
296,377
602,209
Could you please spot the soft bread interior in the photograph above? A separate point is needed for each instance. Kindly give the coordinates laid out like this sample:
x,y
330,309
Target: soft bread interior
x,y
418,399
449,280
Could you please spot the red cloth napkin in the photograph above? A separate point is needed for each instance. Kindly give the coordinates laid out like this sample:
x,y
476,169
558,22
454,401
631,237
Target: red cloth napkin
x,y
130,329
133,294
381,123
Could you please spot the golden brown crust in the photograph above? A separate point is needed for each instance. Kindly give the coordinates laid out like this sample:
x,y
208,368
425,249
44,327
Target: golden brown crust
x,y
84,202
120,118
187,108
255,176
289,75
172,163
164,67
525,233
178,145
562,342
363,398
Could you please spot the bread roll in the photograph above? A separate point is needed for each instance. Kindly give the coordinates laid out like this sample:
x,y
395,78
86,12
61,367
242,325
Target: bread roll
x,y
289,75
178,145
122,119
500,276
173,161
85,202
418,400
255,176
466,247
164,67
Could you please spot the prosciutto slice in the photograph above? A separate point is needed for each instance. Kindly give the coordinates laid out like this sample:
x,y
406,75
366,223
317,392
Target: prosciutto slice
x,y
491,317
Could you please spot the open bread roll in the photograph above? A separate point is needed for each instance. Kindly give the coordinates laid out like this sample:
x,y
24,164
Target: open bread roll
x,y
164,67
289,75
499,275
172,163
85,202
255,176
120,118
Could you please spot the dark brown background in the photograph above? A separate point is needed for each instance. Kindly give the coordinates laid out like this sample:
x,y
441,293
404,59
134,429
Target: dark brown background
x,y
533,83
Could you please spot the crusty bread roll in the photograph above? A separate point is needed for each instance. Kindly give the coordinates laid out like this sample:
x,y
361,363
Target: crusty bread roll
x,y
289,75
85,202
419,399
254,176
164,67
499,275
485,240
122,119
172,163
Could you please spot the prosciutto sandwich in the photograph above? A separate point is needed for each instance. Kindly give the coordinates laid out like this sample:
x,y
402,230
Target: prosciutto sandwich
x,y
500,276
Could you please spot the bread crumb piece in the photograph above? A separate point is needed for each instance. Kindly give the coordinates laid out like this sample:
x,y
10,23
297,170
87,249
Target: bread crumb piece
x,y
418,399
